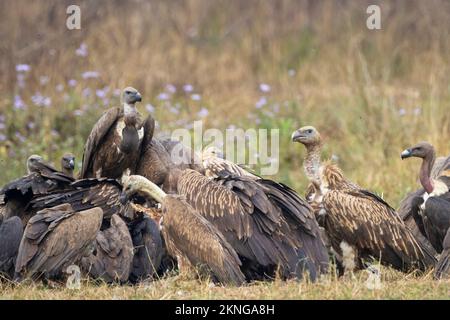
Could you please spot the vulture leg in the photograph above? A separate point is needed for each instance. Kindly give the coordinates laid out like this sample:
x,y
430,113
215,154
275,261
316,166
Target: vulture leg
x,y
11,231
442,270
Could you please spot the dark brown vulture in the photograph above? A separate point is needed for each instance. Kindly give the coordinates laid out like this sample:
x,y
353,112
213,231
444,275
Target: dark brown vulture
x,y
54,239
442,270
11,231
41,179
148,248
189,237
160,156
114,143
301,224
431,208
112,257
360,225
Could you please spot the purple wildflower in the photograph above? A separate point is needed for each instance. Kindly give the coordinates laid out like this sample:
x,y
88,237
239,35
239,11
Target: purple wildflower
x,y
43,80
86,92
401,112
72,83
171,88
78,112
163,96
23,68
261,102
90,74
60,87
149,108
82,50
2,137
264,87
2,126
188,88
196,97
21,80
18,103
203,113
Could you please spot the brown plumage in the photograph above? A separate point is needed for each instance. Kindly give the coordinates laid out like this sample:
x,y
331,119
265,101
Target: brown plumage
x,y
188,235
361,224
114,143
68,164
112,257
41,179
442,270
54,239
11,231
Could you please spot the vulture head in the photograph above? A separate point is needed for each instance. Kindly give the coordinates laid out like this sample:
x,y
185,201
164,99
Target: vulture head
x,y
130,96
309,136
135,184
422,150
68,163
33,162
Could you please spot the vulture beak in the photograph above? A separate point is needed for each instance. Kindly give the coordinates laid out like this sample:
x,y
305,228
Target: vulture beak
x,y
138,97
71,164
296,135
123,198
406,154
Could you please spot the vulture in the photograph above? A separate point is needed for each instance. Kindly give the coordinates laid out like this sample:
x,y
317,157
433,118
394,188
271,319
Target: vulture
x,y
431,208
68,164
41,179
54,239
189,237
148,248
114,144
11,231
360,225
112,257
442,270
294,211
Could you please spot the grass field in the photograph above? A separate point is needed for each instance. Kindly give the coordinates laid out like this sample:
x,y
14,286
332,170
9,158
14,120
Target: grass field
x,y
249,64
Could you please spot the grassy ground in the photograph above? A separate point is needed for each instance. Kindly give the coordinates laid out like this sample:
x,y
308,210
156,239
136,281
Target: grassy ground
x,y
394,286
370,93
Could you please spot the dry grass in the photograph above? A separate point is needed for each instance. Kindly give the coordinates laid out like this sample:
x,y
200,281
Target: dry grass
x,y
394,286
371,94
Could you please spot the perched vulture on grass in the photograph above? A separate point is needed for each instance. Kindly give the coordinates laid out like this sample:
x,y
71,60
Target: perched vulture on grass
x,y
295,212
114,143
112,257
54,239
148,248
41,179
11,231
360,225
431,208
189,237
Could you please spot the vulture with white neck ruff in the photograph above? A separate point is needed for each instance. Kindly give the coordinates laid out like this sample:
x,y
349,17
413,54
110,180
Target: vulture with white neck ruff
x,y
431,209
114,143
189,237
359,224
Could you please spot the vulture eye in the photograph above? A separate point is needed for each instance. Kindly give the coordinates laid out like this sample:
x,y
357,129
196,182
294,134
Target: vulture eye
x,y
309,131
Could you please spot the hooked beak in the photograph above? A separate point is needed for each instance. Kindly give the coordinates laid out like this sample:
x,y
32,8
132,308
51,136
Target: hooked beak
x,y
71,164
123,198
406,154
138,97
296,135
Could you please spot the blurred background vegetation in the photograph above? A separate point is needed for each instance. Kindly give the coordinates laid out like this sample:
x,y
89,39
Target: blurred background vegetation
x,y
249,64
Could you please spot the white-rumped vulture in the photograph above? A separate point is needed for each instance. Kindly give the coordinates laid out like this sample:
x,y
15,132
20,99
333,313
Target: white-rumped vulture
x,y
41,179
54,239
148,248
360,225
68,164
301,226
112,256
431,208
114,143
188,236
11,231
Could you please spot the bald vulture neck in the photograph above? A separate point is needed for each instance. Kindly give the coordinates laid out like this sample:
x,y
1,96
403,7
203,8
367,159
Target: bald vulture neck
x,y
311,163
152,191
425,171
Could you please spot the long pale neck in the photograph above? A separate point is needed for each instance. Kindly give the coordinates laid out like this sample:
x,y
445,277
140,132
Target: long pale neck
x,y
425,171
151,190
129,110
311,163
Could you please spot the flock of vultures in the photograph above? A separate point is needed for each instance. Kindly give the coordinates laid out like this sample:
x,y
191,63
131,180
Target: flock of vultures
x,y
132,214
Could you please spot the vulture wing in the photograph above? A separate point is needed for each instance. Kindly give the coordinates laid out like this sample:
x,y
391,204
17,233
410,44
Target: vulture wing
x,y
11,231
148,249
189,234
368,223
215,165
113,253
99,131
154,163
56,238
442,270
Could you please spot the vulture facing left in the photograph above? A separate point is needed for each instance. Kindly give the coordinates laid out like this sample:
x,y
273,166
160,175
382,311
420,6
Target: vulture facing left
x,y
360,225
